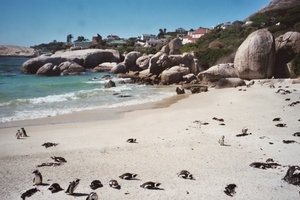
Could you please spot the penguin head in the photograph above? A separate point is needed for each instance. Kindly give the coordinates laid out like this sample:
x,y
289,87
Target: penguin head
x,y
157,184
36,171
190,176
77,180
134,175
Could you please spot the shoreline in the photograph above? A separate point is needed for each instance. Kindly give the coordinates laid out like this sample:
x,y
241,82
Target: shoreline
x,y
169,139
95,115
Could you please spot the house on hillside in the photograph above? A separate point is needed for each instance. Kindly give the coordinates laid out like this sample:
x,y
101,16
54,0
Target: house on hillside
x,y
146,37
192,36
180,30
155,42
111,37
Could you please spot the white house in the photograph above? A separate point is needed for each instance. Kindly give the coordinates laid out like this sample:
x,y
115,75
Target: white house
x,y
147,37
192,36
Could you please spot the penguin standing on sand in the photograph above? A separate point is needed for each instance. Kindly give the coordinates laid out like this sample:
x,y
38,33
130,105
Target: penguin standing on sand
x,y
185,174
92,196
128,176
18,134
38,179
221,140
72,186
24,133
244,130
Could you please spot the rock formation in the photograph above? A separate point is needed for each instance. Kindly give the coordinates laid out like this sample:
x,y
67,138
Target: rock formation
x,y
88,58
255,57
17,51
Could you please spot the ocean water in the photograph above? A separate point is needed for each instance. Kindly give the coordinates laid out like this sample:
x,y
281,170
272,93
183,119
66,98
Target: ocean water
x,y
24,96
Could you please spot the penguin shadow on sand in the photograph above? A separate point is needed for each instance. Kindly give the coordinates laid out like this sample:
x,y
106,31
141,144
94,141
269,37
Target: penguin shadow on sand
x,y
78,194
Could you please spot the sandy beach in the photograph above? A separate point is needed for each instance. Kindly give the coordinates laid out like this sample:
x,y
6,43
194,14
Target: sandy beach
x,y
181,136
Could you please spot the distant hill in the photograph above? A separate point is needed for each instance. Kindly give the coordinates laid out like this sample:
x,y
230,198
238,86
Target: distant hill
x,y
16,51
276,4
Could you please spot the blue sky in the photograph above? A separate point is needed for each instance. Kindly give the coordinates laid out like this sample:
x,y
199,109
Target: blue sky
x,y
32,22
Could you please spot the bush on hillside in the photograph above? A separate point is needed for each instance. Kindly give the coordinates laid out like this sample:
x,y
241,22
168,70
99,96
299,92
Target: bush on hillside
x,y
296,65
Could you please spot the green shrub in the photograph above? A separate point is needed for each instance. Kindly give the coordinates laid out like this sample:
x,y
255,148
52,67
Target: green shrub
x,y
296,64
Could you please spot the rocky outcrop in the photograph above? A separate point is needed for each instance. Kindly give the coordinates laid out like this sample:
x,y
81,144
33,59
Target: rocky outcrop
x,y
110,84
255,58
49,69
70,68
287,46
119,68
173,75
88,58
130,58
143,61
104,67
17,51
175,46
215,73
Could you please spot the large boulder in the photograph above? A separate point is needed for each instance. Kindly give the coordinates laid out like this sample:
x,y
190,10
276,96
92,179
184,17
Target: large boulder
x,y
215,73
104,67
119,68
289,39
173,75
175,46
143,61
153,64
131,57
88,58
49,69
255,57
71,68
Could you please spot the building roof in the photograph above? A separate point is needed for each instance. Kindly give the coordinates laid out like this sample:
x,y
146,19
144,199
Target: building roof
x,y
201,31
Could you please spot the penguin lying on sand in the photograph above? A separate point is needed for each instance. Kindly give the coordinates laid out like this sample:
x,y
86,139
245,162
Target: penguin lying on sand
x,y
114,184
128,176
95,184
29,193
185,174
150,185
55,187
92,196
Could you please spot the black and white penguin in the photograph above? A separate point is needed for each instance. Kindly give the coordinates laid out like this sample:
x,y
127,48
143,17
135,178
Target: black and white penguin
x,y
29,193
58,159
128,176
185,174
95,184
244,130
55,187
38,179
131,140
24,133
276,119
18,134
92,196
72,186
280,125
114,184
222,140
150,185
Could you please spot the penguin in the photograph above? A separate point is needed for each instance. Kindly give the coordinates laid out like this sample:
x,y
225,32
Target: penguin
x,y
55,187
18,134
58,159
114,184
38,179
131,140
24,133
221,140
95,184
276,119
128,176
280,125
29,193
185,174
92,196
72,186
150,185
244,130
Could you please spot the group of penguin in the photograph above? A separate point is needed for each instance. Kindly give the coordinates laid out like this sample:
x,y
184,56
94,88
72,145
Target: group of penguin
x,y
55,187
20,134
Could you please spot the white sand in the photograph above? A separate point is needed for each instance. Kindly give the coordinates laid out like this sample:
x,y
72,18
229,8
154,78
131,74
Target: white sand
x,y
168,141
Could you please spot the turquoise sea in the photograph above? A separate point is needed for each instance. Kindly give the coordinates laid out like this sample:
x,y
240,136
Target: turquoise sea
x,y
24,96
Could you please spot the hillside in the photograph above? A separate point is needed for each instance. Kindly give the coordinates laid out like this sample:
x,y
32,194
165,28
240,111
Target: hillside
x,y
220,45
